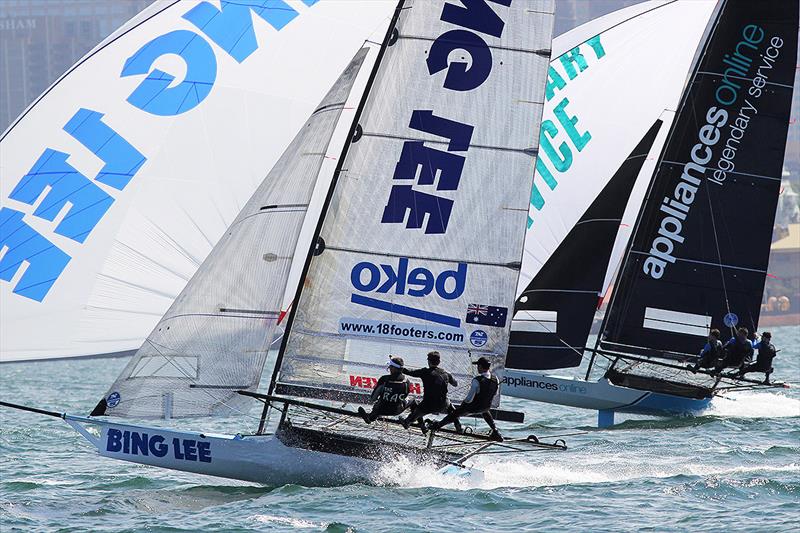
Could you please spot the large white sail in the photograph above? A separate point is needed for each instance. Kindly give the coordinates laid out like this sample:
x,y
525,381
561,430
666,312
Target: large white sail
x,y
421,244
157,138
214,339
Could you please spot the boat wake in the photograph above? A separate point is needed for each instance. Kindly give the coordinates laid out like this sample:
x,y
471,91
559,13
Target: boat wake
x,y
754,405
586,470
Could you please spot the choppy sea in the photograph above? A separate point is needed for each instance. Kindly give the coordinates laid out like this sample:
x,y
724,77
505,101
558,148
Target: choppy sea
x,y
735,467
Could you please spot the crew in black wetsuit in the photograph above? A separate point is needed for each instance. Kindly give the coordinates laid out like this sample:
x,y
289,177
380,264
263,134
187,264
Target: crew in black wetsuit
x,y
766,353
478,400
434,391
389,393
738,351
712,352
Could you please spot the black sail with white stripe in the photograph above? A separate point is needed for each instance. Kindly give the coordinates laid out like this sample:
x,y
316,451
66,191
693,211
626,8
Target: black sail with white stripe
x,y
700,250
554,314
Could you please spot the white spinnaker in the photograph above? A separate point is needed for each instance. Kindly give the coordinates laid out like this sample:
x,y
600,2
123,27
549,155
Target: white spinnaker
x,y
635,66
201,167
214,339
417,250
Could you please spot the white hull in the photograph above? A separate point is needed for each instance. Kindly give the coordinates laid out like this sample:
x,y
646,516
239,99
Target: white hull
x,y
256,458
597,395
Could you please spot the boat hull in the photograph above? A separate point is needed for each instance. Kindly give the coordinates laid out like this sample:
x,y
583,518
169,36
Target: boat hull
x,y
597,395
261,459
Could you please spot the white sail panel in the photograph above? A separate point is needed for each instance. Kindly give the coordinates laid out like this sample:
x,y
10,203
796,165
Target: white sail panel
x,y
192,162
610,80
421,244
214,339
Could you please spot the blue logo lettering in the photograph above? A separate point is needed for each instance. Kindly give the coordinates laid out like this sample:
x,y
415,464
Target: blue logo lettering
x,y
135,443
417,282
408,205
154,94
229,27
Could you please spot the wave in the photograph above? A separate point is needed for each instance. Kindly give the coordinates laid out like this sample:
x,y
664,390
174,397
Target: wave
x,y
596,469
754,405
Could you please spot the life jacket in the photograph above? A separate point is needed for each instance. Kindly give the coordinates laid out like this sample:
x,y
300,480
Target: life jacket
x,y
739,352
395,392
766,353
434,385
486,392
712,353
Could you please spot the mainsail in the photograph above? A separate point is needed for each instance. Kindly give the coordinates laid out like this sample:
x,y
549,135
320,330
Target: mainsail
x,y
421,242
699,255
214,339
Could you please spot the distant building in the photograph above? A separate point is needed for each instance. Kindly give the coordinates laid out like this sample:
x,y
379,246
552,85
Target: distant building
x,y
572,13
41,39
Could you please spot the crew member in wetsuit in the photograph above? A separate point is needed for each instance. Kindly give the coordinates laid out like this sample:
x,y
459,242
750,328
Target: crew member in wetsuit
x,y
738,351
434,391
711,354
766,353
478,401
389,393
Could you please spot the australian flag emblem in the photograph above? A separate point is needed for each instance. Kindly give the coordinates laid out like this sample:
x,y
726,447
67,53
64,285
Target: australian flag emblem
x,y
487,315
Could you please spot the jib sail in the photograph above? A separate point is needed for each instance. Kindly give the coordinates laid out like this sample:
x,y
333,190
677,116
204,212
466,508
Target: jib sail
x,y
699,255
214,339
421,244
554,314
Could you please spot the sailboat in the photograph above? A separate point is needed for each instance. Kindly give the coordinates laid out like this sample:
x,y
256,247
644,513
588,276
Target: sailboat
x,y
418,249
698,256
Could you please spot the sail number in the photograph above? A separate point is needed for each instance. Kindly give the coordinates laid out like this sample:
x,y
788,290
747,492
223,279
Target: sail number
x,y
135,443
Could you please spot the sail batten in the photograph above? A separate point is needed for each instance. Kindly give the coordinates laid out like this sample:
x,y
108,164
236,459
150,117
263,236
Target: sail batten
x,y
213,341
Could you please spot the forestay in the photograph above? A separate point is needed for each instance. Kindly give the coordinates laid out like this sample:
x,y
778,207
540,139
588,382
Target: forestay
x,y
700,251
421,244
214,339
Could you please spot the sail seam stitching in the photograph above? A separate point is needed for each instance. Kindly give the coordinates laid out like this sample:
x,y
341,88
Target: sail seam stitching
x,y
539,51
526,151
721,75
638,252
760,176
421,258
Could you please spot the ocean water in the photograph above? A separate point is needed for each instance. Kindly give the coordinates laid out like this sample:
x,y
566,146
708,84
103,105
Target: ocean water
x,y
735,467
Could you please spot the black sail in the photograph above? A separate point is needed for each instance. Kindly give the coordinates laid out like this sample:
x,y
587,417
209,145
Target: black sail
x,y
570,282
699,255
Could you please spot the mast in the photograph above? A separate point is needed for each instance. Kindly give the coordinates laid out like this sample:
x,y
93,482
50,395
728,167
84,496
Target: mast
x,y
387,41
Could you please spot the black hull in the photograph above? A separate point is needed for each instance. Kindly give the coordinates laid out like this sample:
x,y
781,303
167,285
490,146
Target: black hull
x,y
355,446
663,386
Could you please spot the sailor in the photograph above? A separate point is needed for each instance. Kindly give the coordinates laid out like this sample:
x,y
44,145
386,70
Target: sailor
x,y
389,394
434,391
711,354
478,401
738,351
766,353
